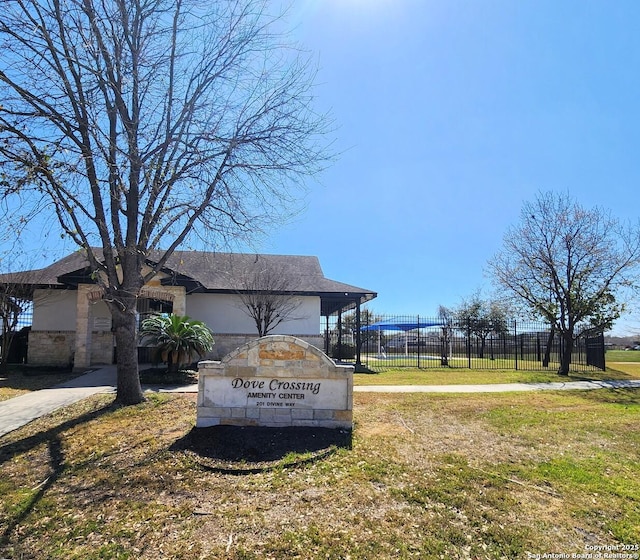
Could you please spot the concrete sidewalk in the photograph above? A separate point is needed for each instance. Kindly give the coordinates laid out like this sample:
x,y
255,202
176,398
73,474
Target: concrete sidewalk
x,y
18,411
489,388
500,387
21,410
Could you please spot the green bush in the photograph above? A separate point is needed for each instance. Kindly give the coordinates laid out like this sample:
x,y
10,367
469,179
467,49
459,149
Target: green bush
x,y
179,339
347,351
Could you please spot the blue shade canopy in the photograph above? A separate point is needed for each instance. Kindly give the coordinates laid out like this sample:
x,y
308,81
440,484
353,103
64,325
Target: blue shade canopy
x,y
401,325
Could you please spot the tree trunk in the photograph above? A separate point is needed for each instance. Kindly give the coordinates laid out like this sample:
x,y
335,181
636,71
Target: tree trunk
x,y
565,358
5,346
129,389
547,351
172,362
444,348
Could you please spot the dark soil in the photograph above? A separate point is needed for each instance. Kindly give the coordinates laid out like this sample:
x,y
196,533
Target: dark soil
x,y
253,449
32,371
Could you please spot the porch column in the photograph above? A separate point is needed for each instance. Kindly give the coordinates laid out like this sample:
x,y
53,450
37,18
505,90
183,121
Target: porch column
x,y
82,355
358,336
179,294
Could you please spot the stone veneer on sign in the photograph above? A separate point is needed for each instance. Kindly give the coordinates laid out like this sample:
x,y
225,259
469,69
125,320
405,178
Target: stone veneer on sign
x,y
275,381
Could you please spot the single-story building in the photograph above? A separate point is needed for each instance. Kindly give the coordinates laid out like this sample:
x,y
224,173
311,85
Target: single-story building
x,y
72,324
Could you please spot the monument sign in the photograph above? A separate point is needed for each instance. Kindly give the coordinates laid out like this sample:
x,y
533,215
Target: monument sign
x,y
275,381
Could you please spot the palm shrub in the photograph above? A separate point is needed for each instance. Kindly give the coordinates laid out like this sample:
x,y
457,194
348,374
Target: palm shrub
x,y
179,339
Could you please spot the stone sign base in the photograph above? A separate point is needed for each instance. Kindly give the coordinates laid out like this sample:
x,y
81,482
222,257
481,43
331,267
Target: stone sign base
x,y
275,381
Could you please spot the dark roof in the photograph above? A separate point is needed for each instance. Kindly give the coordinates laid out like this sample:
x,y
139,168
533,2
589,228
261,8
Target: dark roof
x,y
204,271
49,275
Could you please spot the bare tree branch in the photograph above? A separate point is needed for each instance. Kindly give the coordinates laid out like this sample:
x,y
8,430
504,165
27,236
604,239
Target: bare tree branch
x,y
569,265
147,123
267,294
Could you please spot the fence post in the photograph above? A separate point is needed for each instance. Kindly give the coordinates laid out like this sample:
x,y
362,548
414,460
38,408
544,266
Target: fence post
x,y
358,336
327,341
418,341
469,342
339,335
515,342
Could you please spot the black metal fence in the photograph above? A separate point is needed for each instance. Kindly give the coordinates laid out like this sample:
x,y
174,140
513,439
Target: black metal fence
x,y
426,342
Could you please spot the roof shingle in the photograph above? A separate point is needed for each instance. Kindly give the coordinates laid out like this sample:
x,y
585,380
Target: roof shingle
x,y
211,271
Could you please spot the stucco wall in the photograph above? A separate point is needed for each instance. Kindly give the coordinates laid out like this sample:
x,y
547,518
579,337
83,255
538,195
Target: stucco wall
x,y
52,338
55,310
223,314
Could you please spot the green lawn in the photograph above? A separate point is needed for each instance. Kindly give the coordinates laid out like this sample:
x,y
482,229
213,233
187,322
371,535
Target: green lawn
x,y
413,376
395,361
620,365
483,477
622,356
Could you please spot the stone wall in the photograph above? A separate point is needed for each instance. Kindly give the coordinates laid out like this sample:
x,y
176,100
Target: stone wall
x,y
56,348
275,381
102,343
227,343
51,348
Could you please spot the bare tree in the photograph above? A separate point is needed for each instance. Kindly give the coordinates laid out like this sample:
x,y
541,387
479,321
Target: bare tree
x,y
16,296
12,304
145,124
267,294
569,265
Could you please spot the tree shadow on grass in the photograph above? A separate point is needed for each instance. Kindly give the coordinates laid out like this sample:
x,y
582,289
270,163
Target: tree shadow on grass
x,y
629,397
611,374
9,450
53,441
252,449
33,378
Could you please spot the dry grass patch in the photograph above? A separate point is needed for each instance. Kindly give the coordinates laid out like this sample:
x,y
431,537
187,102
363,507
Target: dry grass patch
x,y
630,369
24,379
425,476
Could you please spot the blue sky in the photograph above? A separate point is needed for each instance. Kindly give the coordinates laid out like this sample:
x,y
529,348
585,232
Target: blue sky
x,y
450,115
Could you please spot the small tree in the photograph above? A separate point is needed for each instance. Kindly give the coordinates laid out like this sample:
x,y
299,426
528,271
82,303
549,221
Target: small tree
x,y
568,264
16,295
368,338
179,339
446,316
10,310
267,294
482,317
